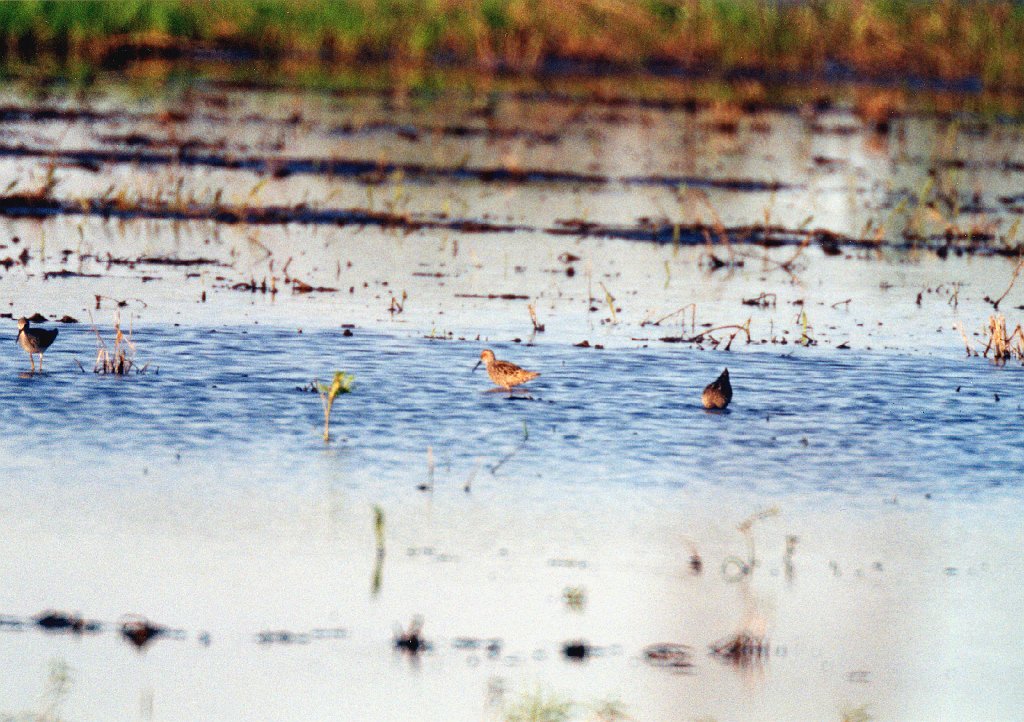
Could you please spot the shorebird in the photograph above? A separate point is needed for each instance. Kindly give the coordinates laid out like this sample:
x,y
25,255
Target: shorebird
x,y
718,393
35,341
503,373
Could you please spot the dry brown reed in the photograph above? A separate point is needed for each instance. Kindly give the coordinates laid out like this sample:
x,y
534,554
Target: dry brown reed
x,y
1004,345
120,358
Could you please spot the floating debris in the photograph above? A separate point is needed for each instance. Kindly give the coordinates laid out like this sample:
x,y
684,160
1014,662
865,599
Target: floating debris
x,y
282,636
741,649
577,650
575,598
11,623
668,654
410,639
54,621
140,631
492,646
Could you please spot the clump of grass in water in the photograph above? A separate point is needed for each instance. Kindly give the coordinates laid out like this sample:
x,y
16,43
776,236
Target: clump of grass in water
x,y
120,359
1003,345
341,384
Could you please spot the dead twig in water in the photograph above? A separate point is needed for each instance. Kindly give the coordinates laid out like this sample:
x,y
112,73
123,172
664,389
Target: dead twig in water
x,y
787,265
745,567
396,305
693,317
764,300
699,338
537,327
1013,280
468,486
610,300
967,341
503,460
429,484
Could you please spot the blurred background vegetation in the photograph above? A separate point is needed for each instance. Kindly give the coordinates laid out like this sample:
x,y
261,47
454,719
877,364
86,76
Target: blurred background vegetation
x,y
951,40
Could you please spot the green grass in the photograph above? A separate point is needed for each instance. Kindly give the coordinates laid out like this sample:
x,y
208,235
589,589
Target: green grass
x,y
948,39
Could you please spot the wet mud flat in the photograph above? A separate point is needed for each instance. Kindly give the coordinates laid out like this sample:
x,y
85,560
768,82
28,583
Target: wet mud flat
x,y
183,544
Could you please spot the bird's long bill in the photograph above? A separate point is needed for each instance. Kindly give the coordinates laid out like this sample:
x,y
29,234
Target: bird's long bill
x,y
478,364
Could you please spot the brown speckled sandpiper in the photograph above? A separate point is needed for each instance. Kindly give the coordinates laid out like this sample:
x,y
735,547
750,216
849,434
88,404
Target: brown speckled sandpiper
x,y
35,341
503,373
718,393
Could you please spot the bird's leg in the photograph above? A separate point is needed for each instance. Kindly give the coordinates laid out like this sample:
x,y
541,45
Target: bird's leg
x,y
32,360
40,362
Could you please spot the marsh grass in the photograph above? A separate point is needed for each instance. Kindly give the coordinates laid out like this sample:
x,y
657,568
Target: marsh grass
x,y
1004,345
950,39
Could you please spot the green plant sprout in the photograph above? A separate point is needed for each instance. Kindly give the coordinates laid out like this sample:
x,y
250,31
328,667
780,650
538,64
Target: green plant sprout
x,y
378,567
341,384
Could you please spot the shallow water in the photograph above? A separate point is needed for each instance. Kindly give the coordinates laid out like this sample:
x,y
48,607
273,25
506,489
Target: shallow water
x,y
894,424
201,494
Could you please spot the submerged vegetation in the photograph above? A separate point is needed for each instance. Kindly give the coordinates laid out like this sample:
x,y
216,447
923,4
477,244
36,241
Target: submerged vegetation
x,y
52,700
539,705
950,39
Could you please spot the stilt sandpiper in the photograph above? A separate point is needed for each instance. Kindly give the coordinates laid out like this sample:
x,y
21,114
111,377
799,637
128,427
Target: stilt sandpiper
x,y
503,373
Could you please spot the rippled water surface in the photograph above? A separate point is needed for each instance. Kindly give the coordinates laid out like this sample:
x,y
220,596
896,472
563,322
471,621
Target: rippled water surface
x,y
804,422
